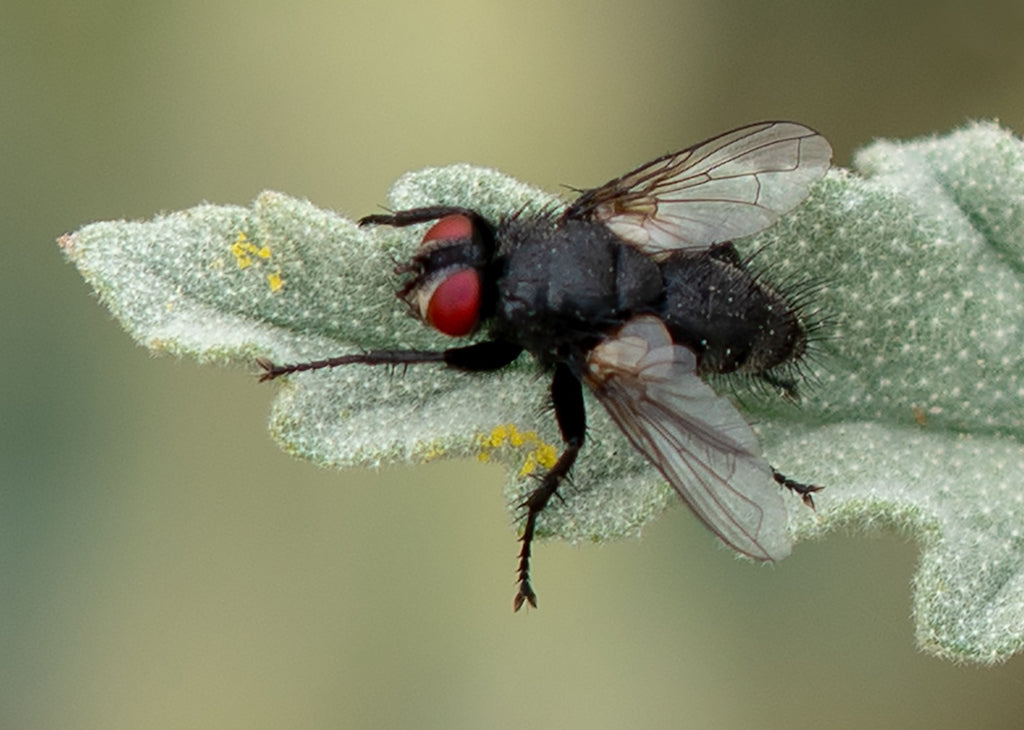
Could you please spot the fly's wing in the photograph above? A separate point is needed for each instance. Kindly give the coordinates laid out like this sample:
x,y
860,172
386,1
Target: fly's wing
x,y
730,186
696,438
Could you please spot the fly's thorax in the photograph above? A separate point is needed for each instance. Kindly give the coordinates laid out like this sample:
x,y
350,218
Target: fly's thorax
x,y
731,318
566,281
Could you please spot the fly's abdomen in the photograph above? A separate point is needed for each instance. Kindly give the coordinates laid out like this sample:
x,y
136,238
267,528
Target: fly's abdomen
x,y
733,322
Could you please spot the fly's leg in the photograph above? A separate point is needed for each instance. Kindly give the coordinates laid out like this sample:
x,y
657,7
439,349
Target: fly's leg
x,y
402,218
806,491
571,414
483,232
371,357
479,357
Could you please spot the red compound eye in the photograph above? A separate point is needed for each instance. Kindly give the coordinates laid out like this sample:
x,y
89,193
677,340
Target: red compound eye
x,y
450,228
455,304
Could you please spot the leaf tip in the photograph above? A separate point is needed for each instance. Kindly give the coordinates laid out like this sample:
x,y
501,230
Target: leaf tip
x,y
67,244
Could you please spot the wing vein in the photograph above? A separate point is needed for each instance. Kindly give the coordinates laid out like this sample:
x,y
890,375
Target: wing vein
x,y
728,187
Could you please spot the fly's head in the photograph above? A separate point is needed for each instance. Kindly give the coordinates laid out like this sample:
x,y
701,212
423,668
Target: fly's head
x,y
448,287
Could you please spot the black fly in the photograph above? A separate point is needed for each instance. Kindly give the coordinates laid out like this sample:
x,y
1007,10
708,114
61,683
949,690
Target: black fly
x,y
636,291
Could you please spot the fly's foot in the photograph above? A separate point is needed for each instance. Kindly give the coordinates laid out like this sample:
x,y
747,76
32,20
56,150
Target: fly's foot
x,y
806,491
524,595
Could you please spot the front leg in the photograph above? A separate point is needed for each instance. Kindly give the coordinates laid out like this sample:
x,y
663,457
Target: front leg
x,y
480,357
402,218
571,413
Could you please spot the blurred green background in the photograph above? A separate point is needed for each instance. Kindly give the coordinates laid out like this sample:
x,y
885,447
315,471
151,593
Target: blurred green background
x,y
163,564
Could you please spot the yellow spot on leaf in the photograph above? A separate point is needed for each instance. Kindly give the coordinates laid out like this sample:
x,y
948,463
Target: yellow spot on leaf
x,y
436,451
920,415
247,253
540,454
242,249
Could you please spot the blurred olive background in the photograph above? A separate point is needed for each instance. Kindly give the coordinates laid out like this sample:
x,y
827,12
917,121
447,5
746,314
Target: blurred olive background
x,y
164,565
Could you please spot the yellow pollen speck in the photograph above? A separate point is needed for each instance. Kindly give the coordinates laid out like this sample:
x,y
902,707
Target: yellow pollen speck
x,y
243,250
540,454
436,451
246,254
920,415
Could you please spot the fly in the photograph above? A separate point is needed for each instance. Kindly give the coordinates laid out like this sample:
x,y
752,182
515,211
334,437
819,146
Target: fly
x,y
635,292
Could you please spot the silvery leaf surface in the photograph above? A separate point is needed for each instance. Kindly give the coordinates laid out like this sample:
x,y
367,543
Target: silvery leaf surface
x,y
911,395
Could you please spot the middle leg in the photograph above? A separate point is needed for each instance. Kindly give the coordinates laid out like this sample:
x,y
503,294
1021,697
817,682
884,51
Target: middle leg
x,y
571,414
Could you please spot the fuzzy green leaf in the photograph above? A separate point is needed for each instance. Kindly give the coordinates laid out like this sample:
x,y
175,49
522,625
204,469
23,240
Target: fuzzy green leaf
x,y
911,415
